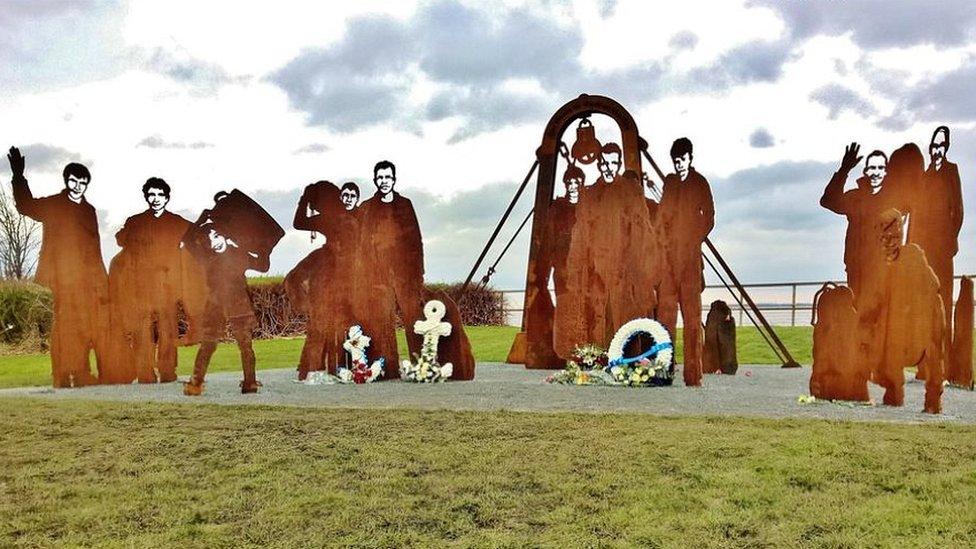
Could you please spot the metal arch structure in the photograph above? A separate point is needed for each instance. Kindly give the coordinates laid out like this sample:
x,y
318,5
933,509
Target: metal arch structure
x,y
533,346
536,347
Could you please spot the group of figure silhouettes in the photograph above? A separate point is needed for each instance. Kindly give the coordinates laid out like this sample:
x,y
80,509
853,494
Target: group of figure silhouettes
x,y
612,253
370,269
180,282
896,310
616,255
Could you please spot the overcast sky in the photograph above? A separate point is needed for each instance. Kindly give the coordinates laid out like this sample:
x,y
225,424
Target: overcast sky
x,y
270,97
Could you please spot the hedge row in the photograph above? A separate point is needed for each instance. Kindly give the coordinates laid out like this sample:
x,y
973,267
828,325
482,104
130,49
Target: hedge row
x,y
26,311
277,318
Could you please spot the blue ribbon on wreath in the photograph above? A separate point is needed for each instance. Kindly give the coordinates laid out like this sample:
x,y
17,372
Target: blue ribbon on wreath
x,y
650,354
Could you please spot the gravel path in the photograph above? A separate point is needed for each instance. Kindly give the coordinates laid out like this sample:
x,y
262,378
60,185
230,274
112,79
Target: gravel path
x,y
757,391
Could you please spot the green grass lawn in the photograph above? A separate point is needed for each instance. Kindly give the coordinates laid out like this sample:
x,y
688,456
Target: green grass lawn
x,y
490,344
75,473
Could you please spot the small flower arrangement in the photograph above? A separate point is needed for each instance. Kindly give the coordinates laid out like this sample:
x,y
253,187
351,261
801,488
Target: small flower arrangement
x,y
590,357
585,368
425,368
361,371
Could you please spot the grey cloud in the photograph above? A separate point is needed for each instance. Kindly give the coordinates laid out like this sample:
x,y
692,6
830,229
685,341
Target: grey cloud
x,y
157,142
49,45
760,138
358,83
313,148
949,97
684,40
462,45
943,98
47,158
607,8
363,80
765,179
898,121
487,109
875,24
187,70
469,53
756,61
887,81
840,67
781,196
644,82
838,99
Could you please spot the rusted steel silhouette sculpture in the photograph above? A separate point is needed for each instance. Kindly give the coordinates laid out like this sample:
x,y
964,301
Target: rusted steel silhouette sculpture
x,y
936,216
960,362
913,321
861,206
540,343
370,266
71,266
324,284
148,281
609,275
687,215
719,349
234,236
837,372
900,323
893,290
538,309
395,276
618,259
534,345
562,219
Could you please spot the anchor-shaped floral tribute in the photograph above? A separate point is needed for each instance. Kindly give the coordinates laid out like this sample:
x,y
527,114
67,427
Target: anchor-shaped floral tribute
x,y
591,365
359,371
425,368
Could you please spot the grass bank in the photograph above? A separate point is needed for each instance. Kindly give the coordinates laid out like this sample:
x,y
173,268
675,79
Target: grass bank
x,y
490,344
114,474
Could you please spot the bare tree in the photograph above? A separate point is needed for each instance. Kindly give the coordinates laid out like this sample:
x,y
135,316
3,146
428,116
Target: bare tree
x,y
18,240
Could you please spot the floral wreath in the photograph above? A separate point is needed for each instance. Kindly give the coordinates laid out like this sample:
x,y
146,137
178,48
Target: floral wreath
x,y
652,367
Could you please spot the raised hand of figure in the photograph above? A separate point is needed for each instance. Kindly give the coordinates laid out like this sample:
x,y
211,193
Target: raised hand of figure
x,y
851,157
16,162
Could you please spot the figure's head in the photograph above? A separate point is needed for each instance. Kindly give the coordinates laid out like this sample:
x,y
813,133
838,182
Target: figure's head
x,y
876,168
682,153
573,179
939,145
906,164
218,242
349,195
384,176
609,163
76,179
156,193
891,231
